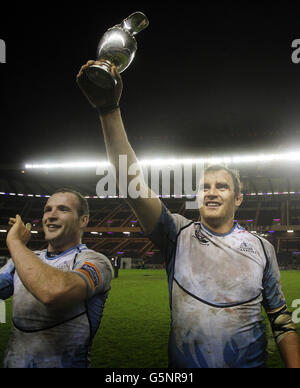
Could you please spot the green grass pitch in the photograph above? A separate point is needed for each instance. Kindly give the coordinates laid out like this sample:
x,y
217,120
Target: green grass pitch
x,y
135,326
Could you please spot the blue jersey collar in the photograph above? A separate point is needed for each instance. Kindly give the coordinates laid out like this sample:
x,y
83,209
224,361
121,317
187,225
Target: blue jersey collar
x,y
79,248
219,234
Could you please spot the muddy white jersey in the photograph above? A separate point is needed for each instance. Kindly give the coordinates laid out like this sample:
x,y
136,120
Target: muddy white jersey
x,y
44,337
217,286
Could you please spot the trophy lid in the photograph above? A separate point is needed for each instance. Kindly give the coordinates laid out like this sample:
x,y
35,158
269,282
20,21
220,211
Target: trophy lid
x,y
135,23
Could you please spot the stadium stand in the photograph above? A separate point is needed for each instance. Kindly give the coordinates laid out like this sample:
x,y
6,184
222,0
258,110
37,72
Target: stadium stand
x,y
271,208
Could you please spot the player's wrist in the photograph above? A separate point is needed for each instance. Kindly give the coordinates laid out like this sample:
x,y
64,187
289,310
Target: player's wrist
x,y
107,110
14,244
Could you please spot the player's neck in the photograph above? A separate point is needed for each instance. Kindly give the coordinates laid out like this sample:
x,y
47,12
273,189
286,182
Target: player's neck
x,y
52,247
218,227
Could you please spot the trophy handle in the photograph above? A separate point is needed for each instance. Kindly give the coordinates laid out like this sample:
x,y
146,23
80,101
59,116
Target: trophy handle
x,y
102,75
135,23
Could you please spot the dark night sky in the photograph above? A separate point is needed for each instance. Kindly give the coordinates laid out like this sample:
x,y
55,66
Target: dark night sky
x,y
206,79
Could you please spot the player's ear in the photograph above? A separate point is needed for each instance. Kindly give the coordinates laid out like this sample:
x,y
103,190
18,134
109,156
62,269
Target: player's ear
x,y
239,200
84,220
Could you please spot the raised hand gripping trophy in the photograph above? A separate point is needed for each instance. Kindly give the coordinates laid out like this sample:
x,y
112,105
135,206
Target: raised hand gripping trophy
x,y
117,47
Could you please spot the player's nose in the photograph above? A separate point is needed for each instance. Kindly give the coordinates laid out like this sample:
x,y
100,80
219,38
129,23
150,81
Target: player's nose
x,y
211,192
52,215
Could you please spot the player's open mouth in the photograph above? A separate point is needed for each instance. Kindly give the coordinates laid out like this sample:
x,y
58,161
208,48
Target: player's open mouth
x,y
212,204
53,227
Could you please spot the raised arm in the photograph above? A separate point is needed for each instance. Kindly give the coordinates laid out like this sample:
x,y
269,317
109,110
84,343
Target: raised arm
x,y
51,286
148,207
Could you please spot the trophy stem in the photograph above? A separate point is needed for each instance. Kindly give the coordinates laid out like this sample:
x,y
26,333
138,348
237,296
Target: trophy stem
x,y
102,75
107,65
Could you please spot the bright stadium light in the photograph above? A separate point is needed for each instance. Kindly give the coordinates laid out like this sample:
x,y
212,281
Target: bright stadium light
x,y
67,165
235,159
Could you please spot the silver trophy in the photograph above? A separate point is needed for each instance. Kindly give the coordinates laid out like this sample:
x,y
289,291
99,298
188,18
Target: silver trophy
x,y
117,47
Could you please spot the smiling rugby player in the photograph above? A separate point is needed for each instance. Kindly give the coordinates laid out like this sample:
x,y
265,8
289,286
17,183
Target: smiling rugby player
x,y
219,275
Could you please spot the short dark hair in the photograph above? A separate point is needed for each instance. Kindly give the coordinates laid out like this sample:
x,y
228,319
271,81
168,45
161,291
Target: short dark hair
x,y
83,209
235,175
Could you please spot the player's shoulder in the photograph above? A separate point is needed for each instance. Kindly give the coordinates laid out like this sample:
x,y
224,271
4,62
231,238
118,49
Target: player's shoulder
x,y
263,240
89,255
173,219
182,220
182,223
266,245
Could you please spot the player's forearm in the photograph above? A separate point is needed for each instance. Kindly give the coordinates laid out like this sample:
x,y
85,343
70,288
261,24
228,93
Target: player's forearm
x,y
44,282
289,349
117,144
147,206
116,140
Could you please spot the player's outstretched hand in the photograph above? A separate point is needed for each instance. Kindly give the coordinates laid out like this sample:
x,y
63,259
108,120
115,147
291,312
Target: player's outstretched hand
x,y
100,98
18,231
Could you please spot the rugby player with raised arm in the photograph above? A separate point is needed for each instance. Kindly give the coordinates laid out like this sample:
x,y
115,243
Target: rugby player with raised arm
x,y
58,293
219,275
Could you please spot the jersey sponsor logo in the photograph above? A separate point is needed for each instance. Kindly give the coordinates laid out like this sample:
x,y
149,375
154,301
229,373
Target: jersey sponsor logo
x,y
64,266
202,239
244,247
92,273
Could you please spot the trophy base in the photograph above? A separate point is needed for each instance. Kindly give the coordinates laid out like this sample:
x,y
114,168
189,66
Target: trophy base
x,y
101,75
